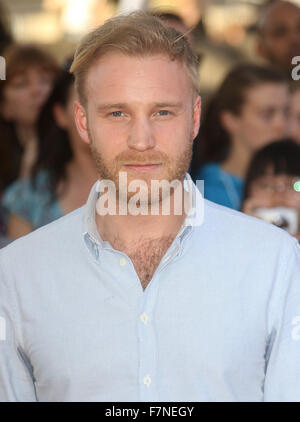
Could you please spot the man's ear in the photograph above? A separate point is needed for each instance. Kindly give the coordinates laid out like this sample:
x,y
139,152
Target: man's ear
x,y
81,122
196,116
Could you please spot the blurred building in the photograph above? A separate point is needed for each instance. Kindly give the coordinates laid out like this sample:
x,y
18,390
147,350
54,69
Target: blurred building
x,y
224,29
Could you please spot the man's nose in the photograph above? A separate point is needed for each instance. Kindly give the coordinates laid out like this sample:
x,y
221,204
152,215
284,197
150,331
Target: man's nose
x,y
141,135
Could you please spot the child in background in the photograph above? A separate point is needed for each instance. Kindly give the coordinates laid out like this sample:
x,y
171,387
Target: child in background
x,y
272,185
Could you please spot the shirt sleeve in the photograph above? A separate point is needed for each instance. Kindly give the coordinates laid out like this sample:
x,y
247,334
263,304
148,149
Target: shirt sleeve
x,y
16,379
282,377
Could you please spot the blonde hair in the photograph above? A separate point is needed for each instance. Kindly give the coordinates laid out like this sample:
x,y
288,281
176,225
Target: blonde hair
x,y
137,34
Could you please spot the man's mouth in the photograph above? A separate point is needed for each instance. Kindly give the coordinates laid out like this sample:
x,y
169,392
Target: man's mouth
x,y
143,168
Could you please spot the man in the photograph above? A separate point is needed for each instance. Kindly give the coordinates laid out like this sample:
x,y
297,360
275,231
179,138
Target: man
x,y
279,34
171,306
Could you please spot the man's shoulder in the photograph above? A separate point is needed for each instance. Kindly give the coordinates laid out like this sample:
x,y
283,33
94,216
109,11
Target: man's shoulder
x,y
236,226
233,243
58,235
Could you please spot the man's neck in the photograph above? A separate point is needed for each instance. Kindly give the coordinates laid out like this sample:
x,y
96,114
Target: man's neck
x,y
145,239
131,229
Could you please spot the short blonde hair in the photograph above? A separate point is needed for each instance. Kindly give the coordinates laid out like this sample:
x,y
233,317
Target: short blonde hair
x,y
137,34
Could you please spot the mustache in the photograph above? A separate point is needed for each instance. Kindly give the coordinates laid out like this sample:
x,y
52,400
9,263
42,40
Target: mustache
x,y
133,157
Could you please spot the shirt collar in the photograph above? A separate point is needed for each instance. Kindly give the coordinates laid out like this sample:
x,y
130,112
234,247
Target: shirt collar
x,y
194,217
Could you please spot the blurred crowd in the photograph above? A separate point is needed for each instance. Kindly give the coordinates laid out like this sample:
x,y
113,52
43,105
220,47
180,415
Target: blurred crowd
x,y
247,150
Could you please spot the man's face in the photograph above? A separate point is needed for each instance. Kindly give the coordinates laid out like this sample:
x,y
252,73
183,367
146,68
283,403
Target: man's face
x,y
281,34
140,117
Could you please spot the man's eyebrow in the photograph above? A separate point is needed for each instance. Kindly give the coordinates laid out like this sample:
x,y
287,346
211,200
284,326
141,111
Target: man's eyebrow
x,y
169,104
107,106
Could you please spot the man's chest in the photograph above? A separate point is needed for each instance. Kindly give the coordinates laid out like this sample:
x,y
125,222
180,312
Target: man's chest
x,y
146,257
94,334
103,349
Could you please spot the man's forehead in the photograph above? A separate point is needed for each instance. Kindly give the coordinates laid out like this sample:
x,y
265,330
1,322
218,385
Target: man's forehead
x,y
115,60
116,71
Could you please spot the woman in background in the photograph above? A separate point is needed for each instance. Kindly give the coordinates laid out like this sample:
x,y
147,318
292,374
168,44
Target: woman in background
x,y
248,111
64,172
30,74
272,185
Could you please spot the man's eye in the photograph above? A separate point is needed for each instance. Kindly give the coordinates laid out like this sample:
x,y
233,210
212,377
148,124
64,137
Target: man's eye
x,y
163,112
117,114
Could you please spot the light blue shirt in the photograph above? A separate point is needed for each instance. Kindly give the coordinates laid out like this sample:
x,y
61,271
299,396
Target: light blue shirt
x,y
219,321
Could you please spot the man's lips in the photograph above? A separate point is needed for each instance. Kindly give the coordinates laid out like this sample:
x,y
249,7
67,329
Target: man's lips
x,y
143,168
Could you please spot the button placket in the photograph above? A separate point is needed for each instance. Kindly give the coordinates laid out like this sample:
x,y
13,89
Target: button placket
x,y
147,345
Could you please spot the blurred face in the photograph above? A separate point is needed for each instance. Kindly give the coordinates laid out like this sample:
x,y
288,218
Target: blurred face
x,y
272,191
281,34
294,118
140,118
276,191
263,117
25,94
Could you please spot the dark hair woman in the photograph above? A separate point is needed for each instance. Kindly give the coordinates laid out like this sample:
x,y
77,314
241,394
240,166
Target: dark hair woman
x,y
30,74
248,111
273,180
64,171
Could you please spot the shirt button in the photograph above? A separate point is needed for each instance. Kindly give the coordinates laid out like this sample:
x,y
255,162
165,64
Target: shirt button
x,y
122,262
144,318
147,380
